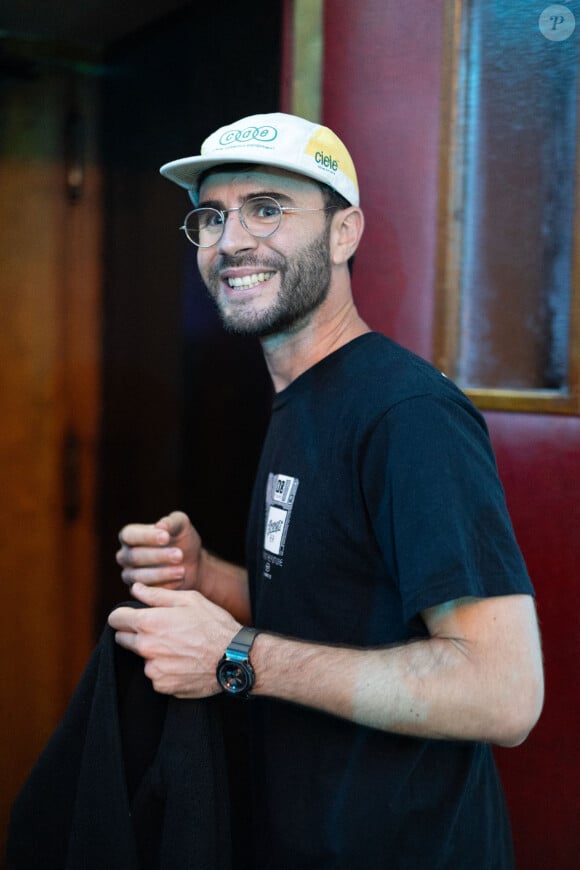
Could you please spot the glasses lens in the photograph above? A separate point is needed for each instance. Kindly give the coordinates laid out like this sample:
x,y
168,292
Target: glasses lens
x,y
261,216
204,226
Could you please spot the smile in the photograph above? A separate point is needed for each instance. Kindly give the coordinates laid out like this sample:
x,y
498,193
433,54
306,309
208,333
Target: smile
x,y
248,281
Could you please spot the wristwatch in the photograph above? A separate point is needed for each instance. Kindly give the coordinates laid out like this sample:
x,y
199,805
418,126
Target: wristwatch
x,y
235,673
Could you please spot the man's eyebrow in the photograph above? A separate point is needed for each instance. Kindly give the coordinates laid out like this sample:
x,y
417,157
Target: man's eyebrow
x,y
211,203
280,197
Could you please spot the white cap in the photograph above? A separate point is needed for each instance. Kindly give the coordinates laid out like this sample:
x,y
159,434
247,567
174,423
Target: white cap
x,y
280,140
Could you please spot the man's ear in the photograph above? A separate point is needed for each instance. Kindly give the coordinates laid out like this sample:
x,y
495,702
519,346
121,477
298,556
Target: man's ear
x,y
346,231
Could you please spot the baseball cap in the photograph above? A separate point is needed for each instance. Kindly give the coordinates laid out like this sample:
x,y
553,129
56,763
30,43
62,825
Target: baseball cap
x,y
276,139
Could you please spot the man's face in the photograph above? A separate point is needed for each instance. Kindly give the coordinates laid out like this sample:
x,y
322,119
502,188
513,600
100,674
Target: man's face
x,y
266,286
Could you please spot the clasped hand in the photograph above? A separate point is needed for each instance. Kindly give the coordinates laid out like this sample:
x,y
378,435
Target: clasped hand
x,y
167,553
180,634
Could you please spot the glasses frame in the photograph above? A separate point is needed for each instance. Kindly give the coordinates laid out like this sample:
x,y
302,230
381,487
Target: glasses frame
x,y
225,211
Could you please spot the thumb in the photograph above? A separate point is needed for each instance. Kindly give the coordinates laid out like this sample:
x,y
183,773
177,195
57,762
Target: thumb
x,y
155,596
175,523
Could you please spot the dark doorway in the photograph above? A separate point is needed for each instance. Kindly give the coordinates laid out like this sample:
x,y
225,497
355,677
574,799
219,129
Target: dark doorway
x,y
184,405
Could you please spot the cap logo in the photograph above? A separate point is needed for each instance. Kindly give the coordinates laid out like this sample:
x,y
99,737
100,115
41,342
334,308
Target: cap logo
x,y
260,134
326,160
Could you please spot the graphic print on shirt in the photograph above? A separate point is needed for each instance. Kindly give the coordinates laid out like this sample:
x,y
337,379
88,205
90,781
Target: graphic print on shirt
x,y
280,495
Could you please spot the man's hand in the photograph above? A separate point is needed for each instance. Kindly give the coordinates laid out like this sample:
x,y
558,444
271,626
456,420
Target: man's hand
x,y
181,636
167,553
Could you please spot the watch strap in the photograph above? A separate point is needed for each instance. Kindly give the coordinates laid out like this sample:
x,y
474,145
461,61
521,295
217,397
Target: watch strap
x,y
241,644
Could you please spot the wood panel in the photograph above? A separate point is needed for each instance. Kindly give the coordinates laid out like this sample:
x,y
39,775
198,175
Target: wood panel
x,y
49,289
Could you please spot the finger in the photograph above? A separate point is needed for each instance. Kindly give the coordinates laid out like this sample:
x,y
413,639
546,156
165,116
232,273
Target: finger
x,y
127,639
139,534
156,576
149,557
124,619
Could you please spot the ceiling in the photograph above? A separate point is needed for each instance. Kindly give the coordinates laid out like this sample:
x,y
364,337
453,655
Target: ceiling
x,y
91,23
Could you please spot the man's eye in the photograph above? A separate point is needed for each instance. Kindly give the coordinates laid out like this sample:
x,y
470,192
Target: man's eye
x,y
263,210
212,220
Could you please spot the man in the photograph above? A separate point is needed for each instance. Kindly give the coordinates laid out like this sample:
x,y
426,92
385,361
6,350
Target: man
x,y
384,624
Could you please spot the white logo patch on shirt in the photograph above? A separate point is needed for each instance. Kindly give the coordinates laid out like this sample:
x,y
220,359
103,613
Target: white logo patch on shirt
x,y
280,495
275,527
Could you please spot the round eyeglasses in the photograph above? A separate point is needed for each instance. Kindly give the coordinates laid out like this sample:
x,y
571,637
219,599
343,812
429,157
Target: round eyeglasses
x,y
260,216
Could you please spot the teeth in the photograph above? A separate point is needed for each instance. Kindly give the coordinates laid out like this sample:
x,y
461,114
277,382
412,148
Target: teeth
x,y
250,280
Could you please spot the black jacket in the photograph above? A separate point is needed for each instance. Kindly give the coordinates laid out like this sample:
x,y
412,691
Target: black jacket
x,y
130,780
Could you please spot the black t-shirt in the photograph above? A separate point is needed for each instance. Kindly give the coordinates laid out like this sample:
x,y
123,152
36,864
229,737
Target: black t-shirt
x,y
376,497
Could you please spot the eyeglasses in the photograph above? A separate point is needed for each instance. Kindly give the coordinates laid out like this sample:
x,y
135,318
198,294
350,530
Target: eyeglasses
x,y
261,216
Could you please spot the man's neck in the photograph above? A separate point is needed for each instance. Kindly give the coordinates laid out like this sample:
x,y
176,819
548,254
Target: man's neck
x,y
290,354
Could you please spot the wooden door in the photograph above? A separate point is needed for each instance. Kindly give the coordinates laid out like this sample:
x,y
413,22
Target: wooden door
x,y
49,289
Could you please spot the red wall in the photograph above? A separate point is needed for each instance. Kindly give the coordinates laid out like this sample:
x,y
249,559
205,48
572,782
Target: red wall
x,y
382,79
539,461
381,92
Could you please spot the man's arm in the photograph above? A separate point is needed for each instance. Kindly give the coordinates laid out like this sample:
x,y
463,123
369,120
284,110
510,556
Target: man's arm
x,y
478,677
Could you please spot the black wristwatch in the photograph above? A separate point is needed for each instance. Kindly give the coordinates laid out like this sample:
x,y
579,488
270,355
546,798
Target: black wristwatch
x,y
235,673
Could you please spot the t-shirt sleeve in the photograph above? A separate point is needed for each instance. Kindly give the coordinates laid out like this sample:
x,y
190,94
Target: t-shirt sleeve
x,y
437,505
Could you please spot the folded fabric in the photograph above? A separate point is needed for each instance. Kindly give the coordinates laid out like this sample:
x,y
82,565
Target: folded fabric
x,y
130,780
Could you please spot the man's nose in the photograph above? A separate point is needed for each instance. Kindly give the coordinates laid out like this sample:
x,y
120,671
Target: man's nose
x,y
235,237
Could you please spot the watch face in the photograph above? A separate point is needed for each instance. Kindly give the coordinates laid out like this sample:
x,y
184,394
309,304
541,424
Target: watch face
x,y
235,678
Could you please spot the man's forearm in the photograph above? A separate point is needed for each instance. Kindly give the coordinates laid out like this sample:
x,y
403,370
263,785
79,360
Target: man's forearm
x,y
436,688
